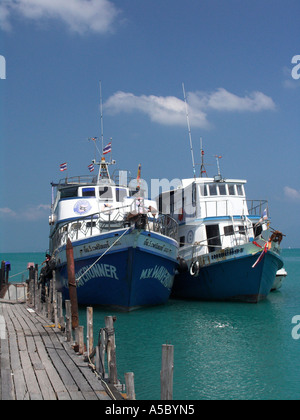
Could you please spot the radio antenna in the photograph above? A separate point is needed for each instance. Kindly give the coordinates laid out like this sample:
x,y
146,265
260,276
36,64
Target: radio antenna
x,y
101,113
189,128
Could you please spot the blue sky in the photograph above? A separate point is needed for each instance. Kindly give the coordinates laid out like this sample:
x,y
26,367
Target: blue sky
x,y
234,57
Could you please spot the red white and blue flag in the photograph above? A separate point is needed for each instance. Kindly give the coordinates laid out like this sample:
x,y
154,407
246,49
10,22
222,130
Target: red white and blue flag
x,y
91,167
107,149
63,167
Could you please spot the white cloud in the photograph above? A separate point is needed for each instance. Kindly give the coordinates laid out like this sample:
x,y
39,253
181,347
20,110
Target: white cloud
x,y
5,211
171,110
163,110
78,15
31,213
222,100
292,193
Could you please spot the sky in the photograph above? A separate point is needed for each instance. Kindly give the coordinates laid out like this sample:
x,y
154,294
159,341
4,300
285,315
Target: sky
x,y
238,60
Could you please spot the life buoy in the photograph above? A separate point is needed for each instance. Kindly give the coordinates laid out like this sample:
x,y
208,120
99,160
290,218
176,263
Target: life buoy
x,y
194,269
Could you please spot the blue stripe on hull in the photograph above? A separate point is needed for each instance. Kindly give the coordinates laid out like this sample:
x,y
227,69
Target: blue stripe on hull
x,y
233,279
127,279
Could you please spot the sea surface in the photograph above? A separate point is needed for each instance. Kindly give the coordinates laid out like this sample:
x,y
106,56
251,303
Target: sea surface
x,y
222,351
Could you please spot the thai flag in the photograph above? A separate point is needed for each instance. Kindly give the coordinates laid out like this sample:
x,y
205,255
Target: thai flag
x,y
107,149
63,167
91,167
265,215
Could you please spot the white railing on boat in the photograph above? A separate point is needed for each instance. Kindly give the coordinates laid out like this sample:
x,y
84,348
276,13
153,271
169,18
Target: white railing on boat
x,y
228,208
104,222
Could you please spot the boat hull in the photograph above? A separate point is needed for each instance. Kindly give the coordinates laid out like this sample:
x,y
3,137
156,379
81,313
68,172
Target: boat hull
x,y
230,279
138,271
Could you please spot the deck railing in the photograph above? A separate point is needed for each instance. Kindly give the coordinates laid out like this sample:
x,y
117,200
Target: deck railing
x,y
108,221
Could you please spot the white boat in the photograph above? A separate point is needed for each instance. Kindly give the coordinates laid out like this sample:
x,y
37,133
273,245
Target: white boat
x,y
279,279
227,250
125,253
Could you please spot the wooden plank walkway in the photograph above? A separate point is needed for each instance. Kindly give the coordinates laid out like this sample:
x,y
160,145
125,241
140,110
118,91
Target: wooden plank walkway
x,y
36,362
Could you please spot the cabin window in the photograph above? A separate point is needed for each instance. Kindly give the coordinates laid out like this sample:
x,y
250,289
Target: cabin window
x,y
213,237
90,224
69,192
222,189
105,193
228,230
231,189
182,241
194,195
88,192
213,189
76,226
242,230
257,229
239,189
203,190
121,193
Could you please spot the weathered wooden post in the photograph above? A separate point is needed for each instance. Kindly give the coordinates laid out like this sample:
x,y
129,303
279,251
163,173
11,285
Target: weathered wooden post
x,y
55,299
35,289
68,320
166,374
130,389
90,333
72,285
80,339
60,314
111,350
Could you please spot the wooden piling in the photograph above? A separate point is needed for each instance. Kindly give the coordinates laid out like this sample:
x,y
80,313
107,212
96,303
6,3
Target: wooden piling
x,y
130,389
90,334
111,350
68,320
166,374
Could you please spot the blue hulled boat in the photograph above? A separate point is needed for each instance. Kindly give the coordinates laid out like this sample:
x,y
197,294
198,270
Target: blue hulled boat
x,y
125,253
227,249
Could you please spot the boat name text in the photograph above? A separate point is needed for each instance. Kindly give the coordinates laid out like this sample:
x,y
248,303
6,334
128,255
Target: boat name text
x,y
98,270
157,246
227,253
98,246
159,273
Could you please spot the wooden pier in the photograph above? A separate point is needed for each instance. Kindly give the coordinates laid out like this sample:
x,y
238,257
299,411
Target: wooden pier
x,y
42,355
37,363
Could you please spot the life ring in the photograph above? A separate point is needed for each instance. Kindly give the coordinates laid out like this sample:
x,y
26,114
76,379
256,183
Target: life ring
x,y
194,269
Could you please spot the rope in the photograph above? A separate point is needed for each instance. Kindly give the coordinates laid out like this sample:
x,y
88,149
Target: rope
x,y
101,256
21,272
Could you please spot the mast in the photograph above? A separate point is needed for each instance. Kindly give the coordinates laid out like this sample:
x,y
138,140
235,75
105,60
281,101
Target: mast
x,y
189,129
101,115
103,173
202,170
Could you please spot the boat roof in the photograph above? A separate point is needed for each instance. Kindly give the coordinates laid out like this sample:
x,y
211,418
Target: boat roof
x,y
189,181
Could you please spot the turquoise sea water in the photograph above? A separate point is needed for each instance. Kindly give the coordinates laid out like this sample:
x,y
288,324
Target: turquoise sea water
x,y
222,350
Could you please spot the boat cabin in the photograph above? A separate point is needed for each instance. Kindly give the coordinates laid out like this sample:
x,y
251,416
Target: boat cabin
x,y
213,213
